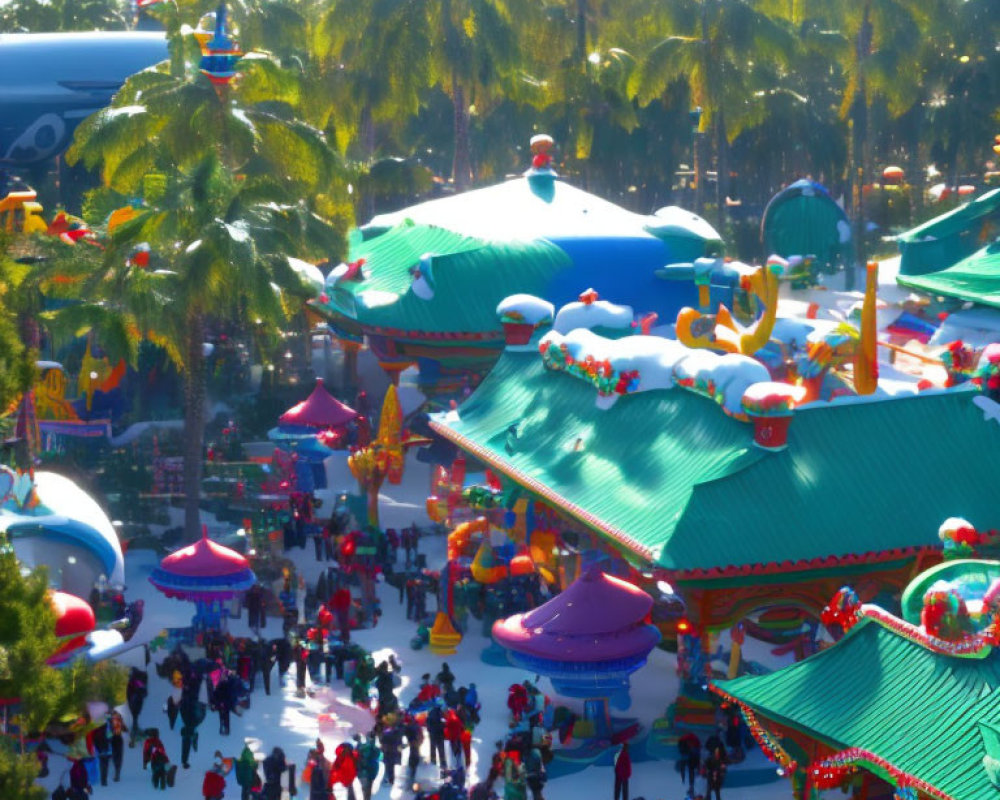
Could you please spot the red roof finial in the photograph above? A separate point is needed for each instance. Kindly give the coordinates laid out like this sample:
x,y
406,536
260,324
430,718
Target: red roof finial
x,y
588,297
204,531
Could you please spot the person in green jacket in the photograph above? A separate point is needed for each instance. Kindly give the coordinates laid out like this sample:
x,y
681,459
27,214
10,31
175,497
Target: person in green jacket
x,y
246,772
368,759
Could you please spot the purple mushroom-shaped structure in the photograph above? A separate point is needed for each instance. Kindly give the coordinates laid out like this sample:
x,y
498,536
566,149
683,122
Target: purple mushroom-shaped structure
x,y
587,640
206,573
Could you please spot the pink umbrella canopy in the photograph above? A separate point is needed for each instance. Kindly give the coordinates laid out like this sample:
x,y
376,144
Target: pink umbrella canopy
x,y
320,410
597,618
205,570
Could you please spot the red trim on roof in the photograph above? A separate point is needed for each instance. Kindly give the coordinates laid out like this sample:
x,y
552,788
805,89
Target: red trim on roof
x,y
435,335
802,565
852,755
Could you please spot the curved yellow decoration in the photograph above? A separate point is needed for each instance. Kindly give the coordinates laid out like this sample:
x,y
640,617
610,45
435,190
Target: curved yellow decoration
x,y
721,332
765,285
866,356
461,539
695,329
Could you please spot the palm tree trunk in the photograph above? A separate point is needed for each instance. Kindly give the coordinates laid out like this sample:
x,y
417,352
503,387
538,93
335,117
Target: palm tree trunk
x,y
581,33
194,425
461,166
859,145
914,165
367,125
699,173
722,170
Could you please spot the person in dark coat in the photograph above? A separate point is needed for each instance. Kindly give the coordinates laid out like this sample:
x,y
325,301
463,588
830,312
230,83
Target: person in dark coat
x,y
135,696
264,658
384,686
414,737
224,700
391,741
317,781
715,771
446,678
435,732
117,729
301,668
283,654
192,714
689,746
101,739
623,771
274,767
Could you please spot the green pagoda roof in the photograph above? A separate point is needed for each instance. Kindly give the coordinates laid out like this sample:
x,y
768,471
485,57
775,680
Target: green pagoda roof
x,y
469,278
943,241
975,278
672,478
930,716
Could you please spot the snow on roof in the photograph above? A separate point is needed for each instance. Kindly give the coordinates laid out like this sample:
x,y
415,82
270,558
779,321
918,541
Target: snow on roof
x,y
592,313
644,363
676,221
527,308
722,377
517,210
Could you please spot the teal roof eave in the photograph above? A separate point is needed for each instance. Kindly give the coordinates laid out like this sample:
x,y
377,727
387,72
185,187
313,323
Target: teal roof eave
x,y
881,692
975,278
983,204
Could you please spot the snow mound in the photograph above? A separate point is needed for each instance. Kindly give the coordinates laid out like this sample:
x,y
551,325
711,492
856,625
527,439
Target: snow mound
x,y
592,314
525,308
722,377
645,363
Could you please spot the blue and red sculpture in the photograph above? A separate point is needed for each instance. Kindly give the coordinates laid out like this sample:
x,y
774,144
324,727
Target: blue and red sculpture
x,y
220,54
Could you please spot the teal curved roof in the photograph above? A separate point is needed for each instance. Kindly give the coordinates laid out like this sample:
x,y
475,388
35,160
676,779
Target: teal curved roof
x,y
471,276
975,278
678,483
932,716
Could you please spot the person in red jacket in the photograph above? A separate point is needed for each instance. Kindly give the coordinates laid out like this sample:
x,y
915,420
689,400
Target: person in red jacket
x,y
340,603
344,769
623,771
454,728
214,785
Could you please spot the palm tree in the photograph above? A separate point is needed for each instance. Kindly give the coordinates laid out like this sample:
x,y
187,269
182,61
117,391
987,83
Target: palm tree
x,y
720,48
16,359
34,16
223,186
475,51
875,46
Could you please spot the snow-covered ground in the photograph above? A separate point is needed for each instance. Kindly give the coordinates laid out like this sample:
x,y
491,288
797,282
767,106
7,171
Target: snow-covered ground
x,y
293,723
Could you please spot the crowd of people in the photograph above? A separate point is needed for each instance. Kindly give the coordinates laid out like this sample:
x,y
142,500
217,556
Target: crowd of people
x,y
434,728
